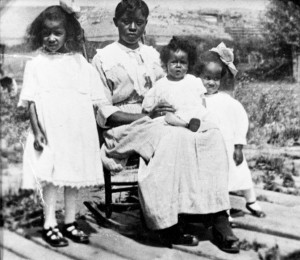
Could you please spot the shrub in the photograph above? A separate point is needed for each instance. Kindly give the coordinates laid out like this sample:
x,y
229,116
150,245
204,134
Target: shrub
x,y
273,112
14,125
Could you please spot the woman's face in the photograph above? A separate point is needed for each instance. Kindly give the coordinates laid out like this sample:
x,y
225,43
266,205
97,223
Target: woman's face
x,y
211,77
54,35
131,27
177,65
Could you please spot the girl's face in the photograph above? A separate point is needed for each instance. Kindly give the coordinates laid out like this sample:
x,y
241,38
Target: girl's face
x,y
54,36
211,77
177,65
131,28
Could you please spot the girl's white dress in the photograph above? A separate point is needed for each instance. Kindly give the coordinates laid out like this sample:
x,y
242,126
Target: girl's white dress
x,y
64,88
232,119
184,95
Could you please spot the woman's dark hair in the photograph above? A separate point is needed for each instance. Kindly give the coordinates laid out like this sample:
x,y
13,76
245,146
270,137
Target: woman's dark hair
x,y
131,6
75,34
227,78
182,44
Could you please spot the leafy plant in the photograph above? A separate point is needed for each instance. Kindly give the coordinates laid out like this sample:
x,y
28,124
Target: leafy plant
x,y
273,112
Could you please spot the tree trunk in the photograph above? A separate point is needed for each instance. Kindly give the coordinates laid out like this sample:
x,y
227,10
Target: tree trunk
x,y
296,65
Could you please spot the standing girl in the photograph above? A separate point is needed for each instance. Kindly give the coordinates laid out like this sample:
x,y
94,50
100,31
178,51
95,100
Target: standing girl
x,y
60,88
216,67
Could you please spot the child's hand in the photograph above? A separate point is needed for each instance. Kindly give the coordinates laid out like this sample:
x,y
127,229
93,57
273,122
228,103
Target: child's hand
x,y
39,141
161,109
238,156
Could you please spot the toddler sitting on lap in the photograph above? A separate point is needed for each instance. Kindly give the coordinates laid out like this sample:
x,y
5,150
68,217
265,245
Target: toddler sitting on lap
x,y
179,89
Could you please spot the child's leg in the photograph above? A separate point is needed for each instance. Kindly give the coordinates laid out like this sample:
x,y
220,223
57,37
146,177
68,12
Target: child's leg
x,y
51,233
250,197
71,229
49,197
71,195
251,204
174,120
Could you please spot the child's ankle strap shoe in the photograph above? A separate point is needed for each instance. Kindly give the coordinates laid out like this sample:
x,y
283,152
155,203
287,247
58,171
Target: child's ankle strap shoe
x,y
255,212
74,233
54,237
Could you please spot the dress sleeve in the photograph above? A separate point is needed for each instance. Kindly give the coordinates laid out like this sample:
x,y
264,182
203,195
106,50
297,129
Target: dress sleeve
x,y
157,67
96,87
151,99
241,124
29,87
153,60
105,105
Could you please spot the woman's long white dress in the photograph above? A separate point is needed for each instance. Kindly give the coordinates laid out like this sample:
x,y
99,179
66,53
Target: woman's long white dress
x,y
183,172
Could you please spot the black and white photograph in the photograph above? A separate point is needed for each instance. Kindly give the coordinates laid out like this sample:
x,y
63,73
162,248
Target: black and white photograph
x,y
147,129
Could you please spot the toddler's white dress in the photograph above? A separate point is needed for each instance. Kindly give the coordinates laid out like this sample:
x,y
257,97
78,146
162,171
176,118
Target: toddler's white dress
x,y
64,88
184,95
231,117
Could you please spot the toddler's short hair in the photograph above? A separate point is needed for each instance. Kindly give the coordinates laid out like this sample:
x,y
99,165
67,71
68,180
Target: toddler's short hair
x,y
178,43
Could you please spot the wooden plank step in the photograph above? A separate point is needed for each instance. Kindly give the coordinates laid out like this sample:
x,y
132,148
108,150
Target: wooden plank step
x,y
279,198
280,220
80,251
8,255
286,245
27,249
210,251
114,242
144,241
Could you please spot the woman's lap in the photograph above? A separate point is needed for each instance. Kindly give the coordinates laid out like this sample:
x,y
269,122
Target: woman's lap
x,y
186,172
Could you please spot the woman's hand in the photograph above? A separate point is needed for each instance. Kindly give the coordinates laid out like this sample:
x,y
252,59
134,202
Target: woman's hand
x,y
161,109
39,141
238,156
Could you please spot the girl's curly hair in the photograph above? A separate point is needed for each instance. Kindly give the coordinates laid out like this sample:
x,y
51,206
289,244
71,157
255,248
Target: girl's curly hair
x,y
75,34
182,44
131,6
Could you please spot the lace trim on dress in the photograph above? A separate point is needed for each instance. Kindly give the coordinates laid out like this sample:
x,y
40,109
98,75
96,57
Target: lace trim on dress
x,y
67,183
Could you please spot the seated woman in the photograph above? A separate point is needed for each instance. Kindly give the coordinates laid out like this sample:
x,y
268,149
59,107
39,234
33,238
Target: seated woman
x,y
184,172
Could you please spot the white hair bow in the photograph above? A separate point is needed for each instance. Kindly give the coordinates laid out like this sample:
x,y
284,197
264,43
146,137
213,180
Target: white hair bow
x,y
70,7
226,56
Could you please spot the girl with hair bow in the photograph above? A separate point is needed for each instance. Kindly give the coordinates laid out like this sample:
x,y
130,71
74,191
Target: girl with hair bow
x,y
213,67
60,89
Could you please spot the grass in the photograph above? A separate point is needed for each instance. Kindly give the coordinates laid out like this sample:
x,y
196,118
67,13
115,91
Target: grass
x,y
274,111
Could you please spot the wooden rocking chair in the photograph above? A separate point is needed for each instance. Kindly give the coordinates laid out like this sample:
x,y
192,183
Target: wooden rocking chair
x,y
111,187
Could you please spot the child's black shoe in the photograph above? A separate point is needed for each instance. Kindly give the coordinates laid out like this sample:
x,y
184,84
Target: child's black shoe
x,y
194,124
71,231
53,237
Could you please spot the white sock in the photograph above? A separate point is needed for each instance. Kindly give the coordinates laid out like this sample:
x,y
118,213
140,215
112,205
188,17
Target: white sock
x,y
251,197
71,195
49,196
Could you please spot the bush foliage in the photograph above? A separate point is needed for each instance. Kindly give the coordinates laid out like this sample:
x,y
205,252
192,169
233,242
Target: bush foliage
x,y
273,112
